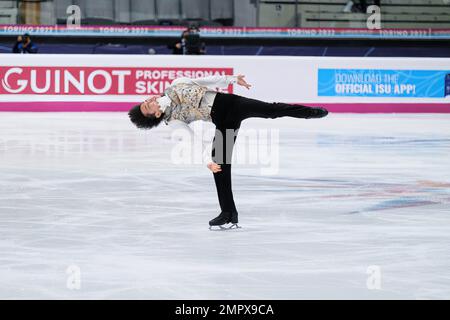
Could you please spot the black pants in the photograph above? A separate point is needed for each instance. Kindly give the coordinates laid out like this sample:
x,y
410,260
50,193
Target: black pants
x,y
227,113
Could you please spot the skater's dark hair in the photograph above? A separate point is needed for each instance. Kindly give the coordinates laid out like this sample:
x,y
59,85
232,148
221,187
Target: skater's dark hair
x,y
141,121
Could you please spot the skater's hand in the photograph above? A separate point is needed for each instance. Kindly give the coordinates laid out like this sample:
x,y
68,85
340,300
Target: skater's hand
x,y
214,167
242,82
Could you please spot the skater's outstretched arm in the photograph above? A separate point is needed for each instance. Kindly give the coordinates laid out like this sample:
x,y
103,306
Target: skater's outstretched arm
x,y
212,82
217,81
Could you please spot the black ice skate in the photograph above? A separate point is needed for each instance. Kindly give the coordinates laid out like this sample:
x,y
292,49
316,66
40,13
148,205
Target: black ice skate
x,y
317,113
223,219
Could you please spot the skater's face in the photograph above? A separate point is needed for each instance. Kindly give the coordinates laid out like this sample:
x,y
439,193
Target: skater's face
x,y
150,107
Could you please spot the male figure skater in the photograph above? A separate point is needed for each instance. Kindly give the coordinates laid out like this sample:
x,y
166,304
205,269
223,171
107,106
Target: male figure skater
x,y
187,100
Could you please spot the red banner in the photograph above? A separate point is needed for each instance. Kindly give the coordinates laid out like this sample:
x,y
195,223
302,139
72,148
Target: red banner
x,y
96,80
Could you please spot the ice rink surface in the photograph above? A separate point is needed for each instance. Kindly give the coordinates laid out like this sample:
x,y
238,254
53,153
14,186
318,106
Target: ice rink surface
x,y
360,208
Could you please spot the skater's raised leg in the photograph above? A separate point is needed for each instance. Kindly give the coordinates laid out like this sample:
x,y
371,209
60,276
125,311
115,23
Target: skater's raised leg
x,y
250,108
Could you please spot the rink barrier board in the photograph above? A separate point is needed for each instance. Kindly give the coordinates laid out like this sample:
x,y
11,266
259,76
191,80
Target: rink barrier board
x,y
76,83
64,106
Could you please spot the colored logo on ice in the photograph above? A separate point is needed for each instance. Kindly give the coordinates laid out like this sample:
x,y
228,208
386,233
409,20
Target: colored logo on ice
x,y
383,83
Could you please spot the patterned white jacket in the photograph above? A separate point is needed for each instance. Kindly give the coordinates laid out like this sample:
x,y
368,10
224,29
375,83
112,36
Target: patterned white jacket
x,y
187,100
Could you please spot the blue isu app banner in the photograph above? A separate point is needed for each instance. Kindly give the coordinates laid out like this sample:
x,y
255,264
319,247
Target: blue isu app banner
x,y
383,83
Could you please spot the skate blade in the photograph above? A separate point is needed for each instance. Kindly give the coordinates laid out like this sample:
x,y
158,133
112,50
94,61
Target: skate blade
x,y
225,228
